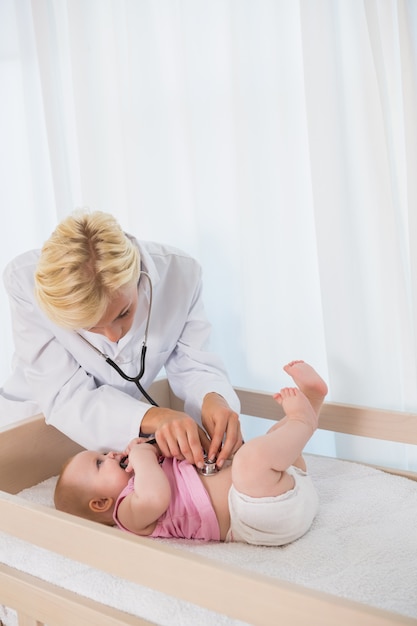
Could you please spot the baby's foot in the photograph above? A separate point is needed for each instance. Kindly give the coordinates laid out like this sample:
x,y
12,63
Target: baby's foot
x,y
297,406
310,383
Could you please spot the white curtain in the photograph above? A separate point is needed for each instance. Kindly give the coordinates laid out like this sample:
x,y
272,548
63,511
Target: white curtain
x,y
274,140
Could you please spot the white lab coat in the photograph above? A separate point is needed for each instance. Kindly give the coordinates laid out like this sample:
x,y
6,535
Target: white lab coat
x,y
58,374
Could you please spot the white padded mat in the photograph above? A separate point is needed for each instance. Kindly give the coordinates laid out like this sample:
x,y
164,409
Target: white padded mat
x,y
362,546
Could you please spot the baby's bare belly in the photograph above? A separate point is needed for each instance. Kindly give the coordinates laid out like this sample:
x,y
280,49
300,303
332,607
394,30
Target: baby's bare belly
x,y
217,486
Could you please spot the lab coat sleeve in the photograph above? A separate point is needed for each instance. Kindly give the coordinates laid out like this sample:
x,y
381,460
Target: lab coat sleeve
x,y
192,369
98,417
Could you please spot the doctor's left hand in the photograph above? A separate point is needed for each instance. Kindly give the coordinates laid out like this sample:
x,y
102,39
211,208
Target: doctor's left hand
x,y
223,426
176,434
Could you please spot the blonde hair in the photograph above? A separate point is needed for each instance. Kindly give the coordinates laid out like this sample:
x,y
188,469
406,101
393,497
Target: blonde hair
x,y
83,264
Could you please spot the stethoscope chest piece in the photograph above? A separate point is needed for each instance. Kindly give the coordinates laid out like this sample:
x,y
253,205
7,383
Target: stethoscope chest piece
x,y
209,468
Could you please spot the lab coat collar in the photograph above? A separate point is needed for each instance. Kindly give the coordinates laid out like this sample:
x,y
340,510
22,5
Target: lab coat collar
x,y
146,262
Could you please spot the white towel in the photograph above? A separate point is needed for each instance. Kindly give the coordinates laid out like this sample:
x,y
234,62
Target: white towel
x,y
362,546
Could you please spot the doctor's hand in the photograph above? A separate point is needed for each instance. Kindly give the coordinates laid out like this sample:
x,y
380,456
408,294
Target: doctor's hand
x,y
223,426
176,434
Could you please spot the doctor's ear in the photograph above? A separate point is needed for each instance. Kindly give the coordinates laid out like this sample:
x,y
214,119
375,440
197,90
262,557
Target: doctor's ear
x,y
100,505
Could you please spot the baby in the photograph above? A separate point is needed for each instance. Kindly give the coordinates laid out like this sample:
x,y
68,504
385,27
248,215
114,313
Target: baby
x,y
264,496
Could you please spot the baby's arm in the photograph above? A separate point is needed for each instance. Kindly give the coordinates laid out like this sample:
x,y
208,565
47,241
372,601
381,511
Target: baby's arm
x,y
141,509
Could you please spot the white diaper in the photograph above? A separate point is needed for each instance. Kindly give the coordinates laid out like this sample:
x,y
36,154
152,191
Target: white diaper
x,y
273,521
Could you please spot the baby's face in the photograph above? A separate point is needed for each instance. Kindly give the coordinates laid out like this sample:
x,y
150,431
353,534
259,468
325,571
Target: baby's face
x,y
101,473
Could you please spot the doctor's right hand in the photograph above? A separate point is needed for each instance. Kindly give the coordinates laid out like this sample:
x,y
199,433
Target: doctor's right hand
x,y
176,434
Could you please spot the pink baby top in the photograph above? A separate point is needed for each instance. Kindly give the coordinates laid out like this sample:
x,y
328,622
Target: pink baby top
x,y
190,514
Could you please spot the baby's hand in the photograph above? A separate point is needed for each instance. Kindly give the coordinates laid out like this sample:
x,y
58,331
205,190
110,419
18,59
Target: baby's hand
x,y
132,444
135,441
138,441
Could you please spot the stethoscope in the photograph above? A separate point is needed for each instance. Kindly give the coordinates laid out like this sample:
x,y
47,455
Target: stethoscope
x,y
133,379
210,467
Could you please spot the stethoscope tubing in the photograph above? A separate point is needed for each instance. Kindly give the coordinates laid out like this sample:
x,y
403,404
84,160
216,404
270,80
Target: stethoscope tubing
x,y
133,379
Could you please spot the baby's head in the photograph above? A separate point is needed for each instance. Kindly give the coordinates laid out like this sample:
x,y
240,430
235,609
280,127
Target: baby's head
x,y
89,485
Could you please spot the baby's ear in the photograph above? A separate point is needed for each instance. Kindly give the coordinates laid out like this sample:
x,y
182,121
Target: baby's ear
x,y
100,505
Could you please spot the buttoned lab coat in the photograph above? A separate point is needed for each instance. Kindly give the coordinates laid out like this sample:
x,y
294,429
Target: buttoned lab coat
x,y
55,372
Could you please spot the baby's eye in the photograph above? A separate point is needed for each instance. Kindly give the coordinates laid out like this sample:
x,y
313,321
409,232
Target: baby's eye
x,y
124,314
98,463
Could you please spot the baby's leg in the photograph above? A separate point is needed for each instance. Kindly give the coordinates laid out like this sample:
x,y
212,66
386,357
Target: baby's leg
x,y
258,468
310,383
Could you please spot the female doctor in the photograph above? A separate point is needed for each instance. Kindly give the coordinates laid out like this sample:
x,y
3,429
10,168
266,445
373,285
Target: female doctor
x,y
94,307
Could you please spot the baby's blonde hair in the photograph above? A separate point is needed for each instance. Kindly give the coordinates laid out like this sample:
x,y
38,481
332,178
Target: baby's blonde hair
x,y
82,266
